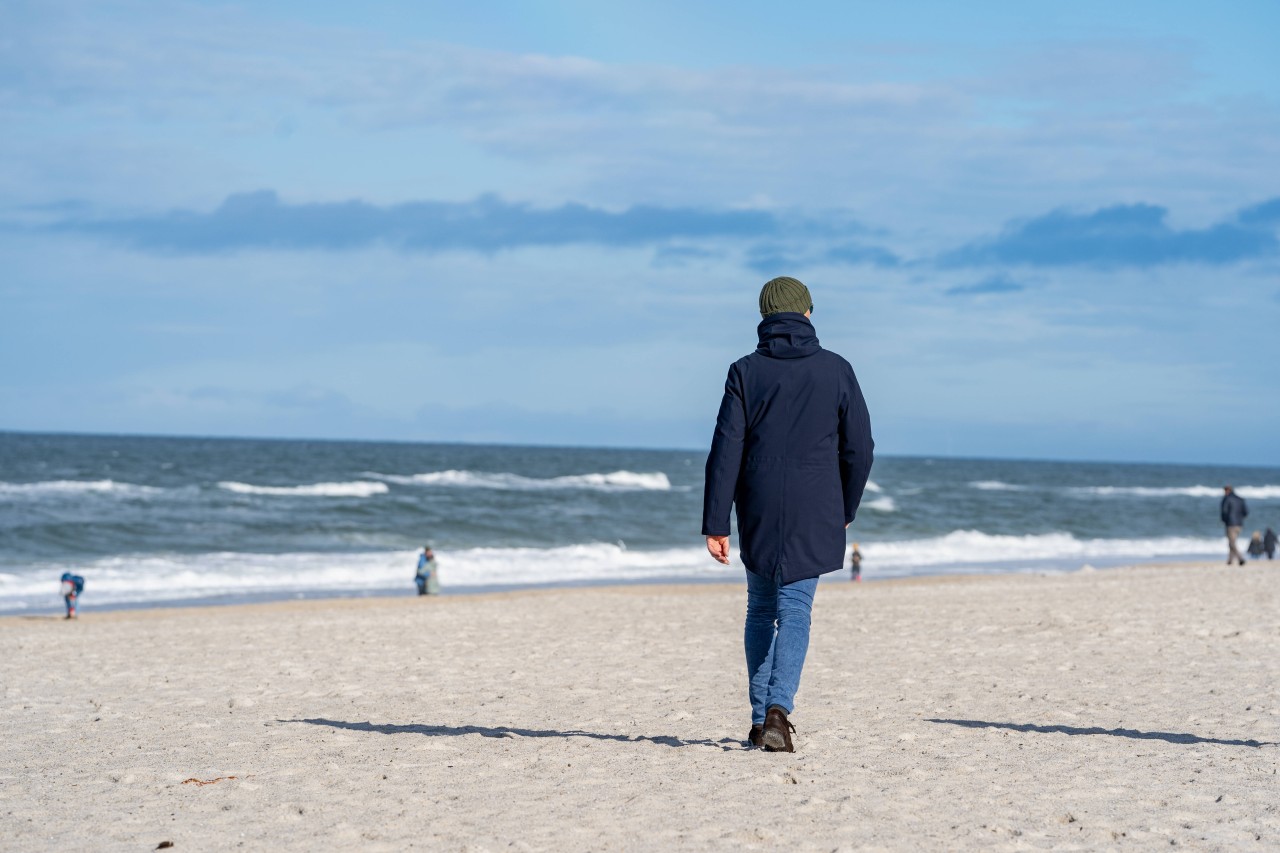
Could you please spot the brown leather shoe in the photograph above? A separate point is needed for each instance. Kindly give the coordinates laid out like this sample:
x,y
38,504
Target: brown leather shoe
x,y
777,731
756,736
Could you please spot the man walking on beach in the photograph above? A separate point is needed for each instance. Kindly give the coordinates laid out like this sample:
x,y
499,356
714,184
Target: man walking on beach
x,y
1233,515
793,449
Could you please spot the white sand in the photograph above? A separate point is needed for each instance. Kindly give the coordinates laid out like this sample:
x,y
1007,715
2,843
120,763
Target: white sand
x,y
1137,708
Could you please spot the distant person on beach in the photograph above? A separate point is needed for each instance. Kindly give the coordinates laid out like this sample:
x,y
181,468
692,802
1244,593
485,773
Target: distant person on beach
x,y
1255,545
1233,514
792,449
1269,543
427,578
72,586
855,564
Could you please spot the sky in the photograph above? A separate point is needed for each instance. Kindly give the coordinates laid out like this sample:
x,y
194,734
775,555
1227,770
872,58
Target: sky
x,y
1036,230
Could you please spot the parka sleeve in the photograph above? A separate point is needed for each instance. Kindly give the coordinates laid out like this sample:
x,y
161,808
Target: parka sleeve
x,y
725,459
856,446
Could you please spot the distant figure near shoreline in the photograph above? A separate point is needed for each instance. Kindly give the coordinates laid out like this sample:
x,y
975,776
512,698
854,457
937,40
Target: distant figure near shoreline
x,y
1269,543
855,564
427,577
72,586
1234,511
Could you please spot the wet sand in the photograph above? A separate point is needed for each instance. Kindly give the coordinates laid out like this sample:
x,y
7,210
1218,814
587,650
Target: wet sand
x,y
1137,708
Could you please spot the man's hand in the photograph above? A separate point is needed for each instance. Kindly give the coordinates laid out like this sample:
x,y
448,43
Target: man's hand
x,y
719,548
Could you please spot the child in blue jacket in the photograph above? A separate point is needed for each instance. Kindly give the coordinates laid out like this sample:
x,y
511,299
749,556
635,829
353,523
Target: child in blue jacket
x,y
72,586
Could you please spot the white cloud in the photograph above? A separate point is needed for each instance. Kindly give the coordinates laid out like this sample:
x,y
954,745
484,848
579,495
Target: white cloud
x,y
1076,123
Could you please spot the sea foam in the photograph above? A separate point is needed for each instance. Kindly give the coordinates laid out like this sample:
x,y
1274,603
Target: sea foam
x,y
616,481
356,489
1254,492
146,579
974,549
996,486
152,578
76,487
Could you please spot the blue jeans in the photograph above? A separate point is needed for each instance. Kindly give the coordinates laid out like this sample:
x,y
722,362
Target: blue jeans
x,y
776,639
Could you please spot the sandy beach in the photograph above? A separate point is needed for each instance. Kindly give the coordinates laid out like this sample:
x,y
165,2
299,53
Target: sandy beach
x,y
1135,708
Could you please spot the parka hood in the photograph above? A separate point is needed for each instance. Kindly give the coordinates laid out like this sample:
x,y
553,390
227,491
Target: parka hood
x,y
787,335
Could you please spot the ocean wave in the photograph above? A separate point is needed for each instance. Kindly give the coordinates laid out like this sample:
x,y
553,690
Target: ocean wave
x,y
1254,492
972,548
1260,493
873,486
356,489
144,579
884,504
616,481
996,486
77,487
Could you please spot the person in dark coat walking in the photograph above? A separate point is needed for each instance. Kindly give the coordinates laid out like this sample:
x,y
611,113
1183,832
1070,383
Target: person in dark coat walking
x,y
1233,515
1269,543
792,450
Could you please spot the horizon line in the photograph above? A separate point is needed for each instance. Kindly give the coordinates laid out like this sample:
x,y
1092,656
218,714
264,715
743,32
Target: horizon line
x,y
552,446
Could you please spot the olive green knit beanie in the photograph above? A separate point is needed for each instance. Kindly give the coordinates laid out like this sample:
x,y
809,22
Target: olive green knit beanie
x,y
784,294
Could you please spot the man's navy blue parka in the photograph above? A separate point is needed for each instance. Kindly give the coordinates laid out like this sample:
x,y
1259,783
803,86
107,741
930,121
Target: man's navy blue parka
x,y
792,449
1234,510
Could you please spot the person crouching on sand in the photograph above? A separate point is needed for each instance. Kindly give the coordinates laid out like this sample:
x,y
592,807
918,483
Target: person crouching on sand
x,y
793,450
1255,545
72,586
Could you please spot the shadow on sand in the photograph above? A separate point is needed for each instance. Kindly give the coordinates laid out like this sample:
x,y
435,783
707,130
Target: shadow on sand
x,y
725,744
1168,737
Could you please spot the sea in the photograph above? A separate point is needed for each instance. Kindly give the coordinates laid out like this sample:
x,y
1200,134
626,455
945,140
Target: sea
x,y
151,521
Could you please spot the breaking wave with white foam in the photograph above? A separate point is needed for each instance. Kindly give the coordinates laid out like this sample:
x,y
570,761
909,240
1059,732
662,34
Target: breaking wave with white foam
x,y
158,578
149,579
357,489
616,481
996,486
970,550
48,488
1254,492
